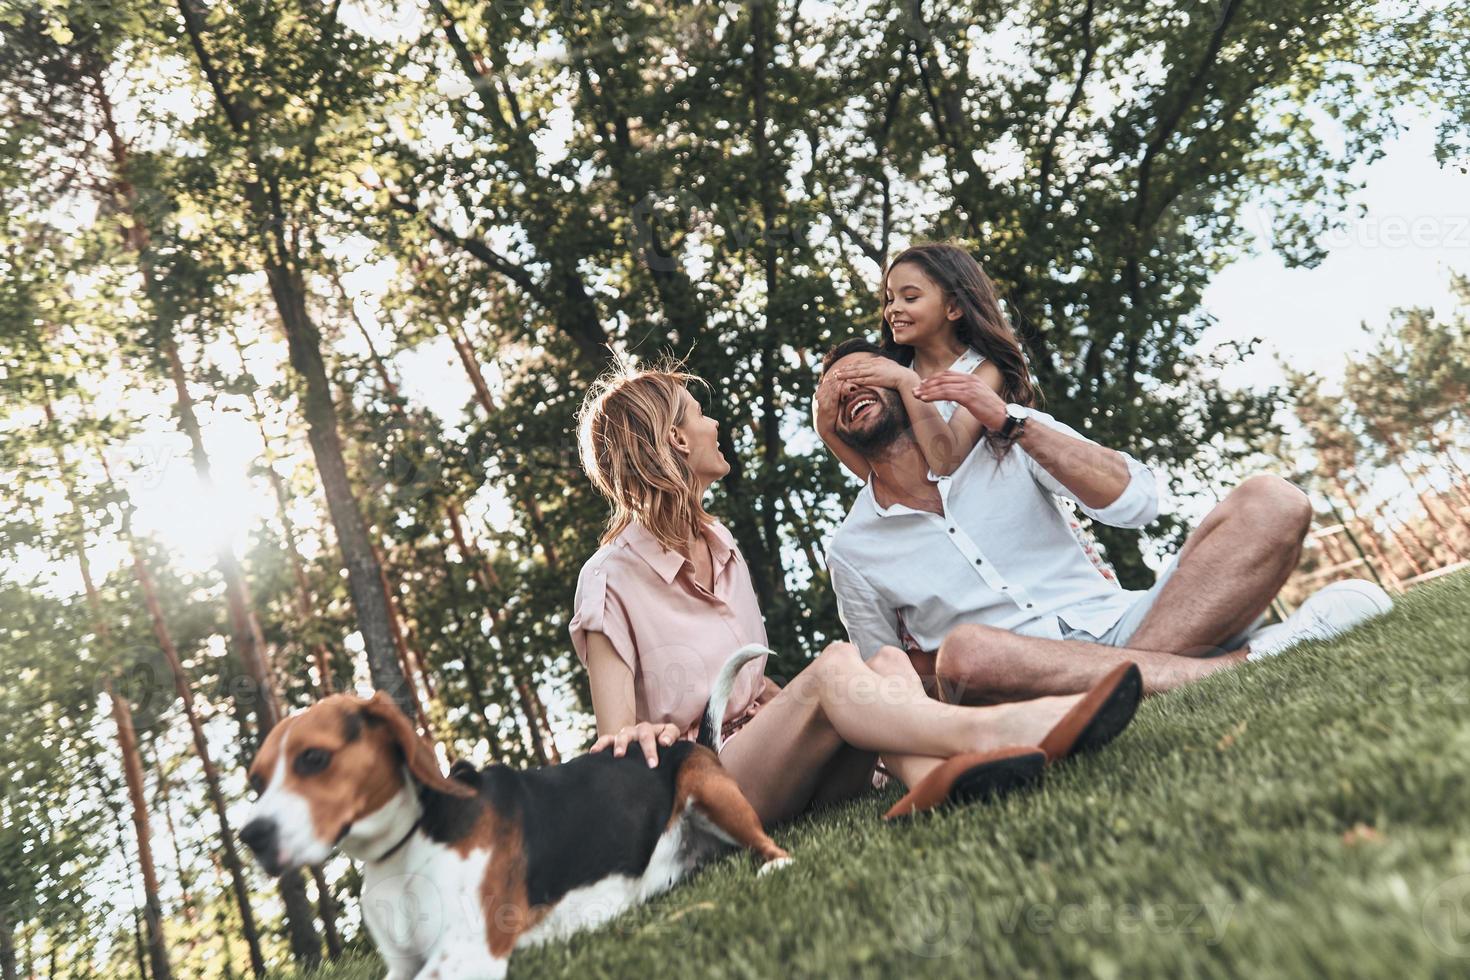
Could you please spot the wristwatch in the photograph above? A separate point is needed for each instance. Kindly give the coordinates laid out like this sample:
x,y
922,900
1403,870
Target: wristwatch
x,y
1016,416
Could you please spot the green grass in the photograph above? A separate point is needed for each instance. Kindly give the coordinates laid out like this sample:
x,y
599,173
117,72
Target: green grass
x,y
1305,816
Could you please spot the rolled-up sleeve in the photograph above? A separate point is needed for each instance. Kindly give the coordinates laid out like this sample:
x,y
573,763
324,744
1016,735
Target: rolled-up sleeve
x,y
1138,504
595,609
870,623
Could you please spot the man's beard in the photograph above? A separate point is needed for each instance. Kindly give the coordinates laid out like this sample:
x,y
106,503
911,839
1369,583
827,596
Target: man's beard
x,y
892,424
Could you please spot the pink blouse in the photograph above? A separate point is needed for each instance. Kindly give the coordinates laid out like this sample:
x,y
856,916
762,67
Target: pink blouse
x,y
673,632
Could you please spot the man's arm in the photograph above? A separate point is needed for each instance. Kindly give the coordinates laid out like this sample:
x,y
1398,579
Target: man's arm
x,y
1093,475
1112,487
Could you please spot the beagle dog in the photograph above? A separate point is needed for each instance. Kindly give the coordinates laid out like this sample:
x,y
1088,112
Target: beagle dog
x,y
460,871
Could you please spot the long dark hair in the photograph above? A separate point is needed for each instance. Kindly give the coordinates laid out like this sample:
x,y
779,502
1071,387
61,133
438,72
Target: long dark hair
x,y
982,324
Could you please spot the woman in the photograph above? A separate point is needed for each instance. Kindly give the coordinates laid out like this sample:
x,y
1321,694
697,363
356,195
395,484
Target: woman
x,y
668,598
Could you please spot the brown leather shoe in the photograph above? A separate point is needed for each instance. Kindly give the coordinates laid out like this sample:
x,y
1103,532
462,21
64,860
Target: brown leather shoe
x,y
1099,717
972,776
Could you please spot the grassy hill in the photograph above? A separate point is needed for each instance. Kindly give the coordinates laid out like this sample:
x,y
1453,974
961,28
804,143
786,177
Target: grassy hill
x,y
1305,816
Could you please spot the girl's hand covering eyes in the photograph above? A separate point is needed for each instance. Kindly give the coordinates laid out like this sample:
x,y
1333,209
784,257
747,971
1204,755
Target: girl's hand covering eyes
x,y
877,372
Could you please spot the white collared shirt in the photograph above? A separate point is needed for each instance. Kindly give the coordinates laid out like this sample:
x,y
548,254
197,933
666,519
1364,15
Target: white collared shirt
x,y
1000,554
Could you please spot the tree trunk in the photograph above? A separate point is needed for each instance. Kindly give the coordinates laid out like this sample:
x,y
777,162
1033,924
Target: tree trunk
x,y
7,946
127,741
304,343
326,907
1459,481
163,799
473,675
245,632
1365,531
306,945
305,607
364,575
1444,534
1455,515
400,643
395,400
140,953
772,444
185,691
543,744
1424,548
1330,548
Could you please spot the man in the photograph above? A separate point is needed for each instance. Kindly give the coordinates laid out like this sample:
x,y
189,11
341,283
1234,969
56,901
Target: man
x,y
988,576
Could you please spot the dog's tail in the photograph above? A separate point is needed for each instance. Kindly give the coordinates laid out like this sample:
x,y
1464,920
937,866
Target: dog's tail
x,y
713,721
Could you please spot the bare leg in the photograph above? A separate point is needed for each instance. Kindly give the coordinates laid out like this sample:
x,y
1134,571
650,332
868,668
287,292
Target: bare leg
x,y
1229,570
911,769
981,664
781,756
849,773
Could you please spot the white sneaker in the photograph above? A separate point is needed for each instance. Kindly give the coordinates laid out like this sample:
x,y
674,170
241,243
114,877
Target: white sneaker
x,y
1329,612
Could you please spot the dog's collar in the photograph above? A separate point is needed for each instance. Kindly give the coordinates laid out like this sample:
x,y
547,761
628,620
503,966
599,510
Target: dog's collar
x,y
399,846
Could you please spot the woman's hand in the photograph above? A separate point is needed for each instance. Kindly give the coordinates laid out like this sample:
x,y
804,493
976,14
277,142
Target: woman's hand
x,y
876,372
647,734
969,392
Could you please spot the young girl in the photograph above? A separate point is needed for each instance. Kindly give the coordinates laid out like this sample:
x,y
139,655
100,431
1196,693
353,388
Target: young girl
x,y
940,313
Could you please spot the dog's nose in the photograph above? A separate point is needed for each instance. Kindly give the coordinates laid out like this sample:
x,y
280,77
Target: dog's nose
x,y
259,835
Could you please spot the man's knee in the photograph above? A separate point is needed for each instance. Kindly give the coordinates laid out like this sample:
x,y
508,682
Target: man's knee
x,y
1271,502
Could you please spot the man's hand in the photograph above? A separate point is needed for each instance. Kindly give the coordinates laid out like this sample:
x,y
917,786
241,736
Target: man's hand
x,y
967,391
829,393
646,734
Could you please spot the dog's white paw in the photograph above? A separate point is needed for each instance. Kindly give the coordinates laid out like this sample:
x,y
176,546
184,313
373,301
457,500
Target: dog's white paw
x,y
770,866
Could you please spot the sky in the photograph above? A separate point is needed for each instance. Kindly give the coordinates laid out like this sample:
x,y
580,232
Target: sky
x,y
1415,231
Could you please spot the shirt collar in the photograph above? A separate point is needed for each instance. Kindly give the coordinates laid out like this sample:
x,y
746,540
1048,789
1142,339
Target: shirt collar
x,y
667,563
872,498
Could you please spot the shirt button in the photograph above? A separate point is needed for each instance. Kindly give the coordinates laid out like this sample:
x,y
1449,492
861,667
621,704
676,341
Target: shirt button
x,y
951,530
979,561
1028,605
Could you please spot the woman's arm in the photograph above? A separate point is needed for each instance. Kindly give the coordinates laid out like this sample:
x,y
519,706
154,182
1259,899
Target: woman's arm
x,y
611,680
615,704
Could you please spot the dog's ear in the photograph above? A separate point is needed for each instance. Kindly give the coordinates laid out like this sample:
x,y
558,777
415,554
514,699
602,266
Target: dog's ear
x,y
380,709
464,770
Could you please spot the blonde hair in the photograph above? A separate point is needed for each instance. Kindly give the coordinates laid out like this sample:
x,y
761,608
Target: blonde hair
x,y
623,437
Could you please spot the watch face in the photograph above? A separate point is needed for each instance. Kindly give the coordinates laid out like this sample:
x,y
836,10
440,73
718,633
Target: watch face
x,y
1017,412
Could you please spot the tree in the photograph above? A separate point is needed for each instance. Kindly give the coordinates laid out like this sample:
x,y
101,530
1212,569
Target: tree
x,y
277,162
